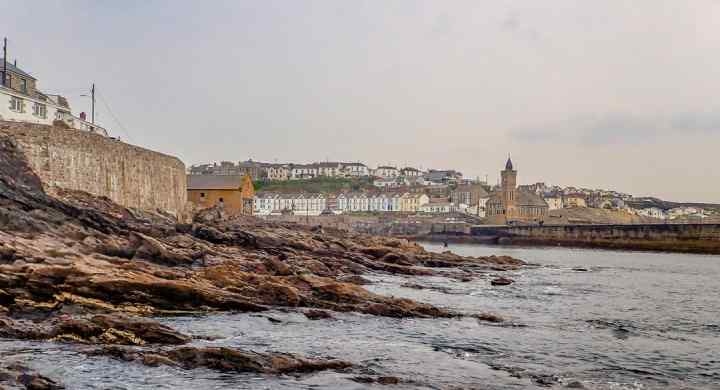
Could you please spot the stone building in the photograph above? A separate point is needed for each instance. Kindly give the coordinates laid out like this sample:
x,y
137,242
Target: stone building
x,y
510,205
235,193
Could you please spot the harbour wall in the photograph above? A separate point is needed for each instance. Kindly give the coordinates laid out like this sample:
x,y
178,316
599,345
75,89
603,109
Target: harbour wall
x,y
80,160
696,238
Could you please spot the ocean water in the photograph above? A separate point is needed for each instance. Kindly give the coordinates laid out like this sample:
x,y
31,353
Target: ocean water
x,y
595,318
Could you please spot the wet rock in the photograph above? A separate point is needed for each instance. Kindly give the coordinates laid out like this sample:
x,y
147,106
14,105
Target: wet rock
x,y
354,279
575,385
318,315
501,281
383,380
16,376
224,359
545,380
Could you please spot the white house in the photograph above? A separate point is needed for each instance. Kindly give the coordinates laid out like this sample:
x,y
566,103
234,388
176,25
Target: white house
x,y
355,169
439,208
410,172
303,171
386,172
555,202
41,109
653,212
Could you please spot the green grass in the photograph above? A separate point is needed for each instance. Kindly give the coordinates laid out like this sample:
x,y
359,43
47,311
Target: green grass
x,y
318,185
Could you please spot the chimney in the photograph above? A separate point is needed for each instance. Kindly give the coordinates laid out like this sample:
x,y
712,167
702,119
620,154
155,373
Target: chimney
x,y
16,62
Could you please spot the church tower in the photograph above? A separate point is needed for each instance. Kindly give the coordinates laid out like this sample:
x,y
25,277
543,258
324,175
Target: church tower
x,y
509,189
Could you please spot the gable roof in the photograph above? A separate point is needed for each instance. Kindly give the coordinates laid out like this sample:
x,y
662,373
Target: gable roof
x,y
15,69
214,182
524,198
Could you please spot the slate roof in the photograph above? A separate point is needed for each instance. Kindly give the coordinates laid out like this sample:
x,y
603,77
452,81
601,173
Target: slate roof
x,y
524,198
509,165
214,182
15,69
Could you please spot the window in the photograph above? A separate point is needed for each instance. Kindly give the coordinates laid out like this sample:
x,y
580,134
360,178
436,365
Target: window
x,y
8,80
16,104
40,110
202,194
221,200
23,85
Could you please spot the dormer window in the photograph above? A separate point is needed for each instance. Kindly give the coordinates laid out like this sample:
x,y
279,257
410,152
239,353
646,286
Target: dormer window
x,y
23,85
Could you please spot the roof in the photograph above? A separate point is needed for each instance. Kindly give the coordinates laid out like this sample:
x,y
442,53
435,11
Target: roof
x,y
15,69
509,165
524,198
386,167
214,182
472,187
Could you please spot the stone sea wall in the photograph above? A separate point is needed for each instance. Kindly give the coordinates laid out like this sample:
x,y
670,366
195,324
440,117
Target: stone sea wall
x,y
697,238
78,160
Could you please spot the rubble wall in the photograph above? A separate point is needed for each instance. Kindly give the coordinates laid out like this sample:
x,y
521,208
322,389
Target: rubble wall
x,y
78,160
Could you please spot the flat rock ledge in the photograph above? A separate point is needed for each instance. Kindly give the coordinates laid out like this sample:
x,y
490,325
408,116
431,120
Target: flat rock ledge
x,y
79,269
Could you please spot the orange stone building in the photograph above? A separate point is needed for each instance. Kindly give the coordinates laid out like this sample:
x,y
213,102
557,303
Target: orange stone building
x,y
510,205
234,193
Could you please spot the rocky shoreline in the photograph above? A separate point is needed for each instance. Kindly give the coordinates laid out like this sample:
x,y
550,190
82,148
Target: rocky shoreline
x,y
82,270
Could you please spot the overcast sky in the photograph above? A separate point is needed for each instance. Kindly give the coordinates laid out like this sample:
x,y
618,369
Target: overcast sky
x,y
620,94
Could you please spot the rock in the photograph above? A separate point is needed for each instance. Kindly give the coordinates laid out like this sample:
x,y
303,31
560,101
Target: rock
x,y
20,377
225,359
580,269
575,385
413,285
317,315
383,380
354,279
501,281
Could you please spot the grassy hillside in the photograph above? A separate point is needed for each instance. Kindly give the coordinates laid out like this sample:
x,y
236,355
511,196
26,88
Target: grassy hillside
x,y
320,184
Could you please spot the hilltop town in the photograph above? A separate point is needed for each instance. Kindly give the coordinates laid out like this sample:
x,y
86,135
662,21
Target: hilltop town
x,y
331,188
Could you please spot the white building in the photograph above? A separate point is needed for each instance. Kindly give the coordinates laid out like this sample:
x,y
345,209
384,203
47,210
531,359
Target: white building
x,y
555,202
387,172
278,172
329,169
410,172
653,212
438,208
303,171
41,109
355,169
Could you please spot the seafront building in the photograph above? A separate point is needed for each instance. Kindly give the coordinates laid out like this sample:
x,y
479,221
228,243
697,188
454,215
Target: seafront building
x,y
22,101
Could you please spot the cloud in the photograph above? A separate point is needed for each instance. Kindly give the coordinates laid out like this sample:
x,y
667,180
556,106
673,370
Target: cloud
x,y
620,128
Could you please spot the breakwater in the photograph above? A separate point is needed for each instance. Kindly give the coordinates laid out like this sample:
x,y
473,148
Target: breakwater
x,y
690,238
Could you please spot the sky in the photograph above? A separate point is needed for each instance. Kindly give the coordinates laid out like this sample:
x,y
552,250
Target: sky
x,y
621,95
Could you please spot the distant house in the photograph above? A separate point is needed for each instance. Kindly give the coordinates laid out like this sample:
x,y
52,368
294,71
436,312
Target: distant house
x,y
328,169
442,177
574,200
303,171
554,201
277,172
471,195
356,169
652,212
410,172
411,202
438,207
234,193
254,169
387,172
